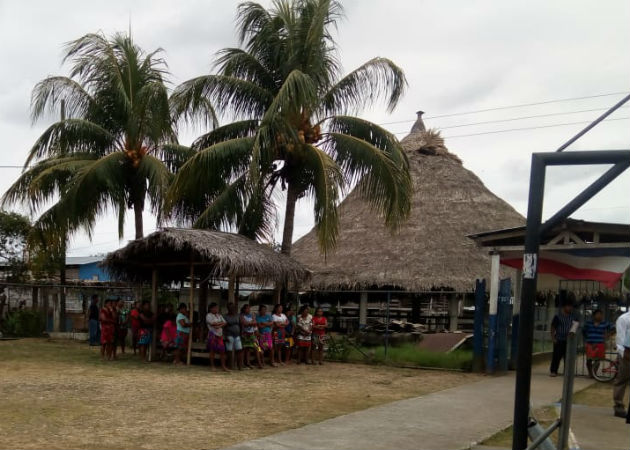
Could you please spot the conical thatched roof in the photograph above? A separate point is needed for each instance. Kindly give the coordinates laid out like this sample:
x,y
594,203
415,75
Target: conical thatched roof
x,y
215,253
431,250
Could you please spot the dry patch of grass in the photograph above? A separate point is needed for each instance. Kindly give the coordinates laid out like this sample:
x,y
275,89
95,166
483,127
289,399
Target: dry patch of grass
x,y
598,394
59,394
545,416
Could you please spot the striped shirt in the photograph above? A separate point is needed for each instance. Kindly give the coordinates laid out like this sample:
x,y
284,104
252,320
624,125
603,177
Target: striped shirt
x,y
561,323
596,333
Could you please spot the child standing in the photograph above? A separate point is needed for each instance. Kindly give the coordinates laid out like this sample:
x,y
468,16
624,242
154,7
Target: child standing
x,y
248,336
595,333
319,335
304,330
216,322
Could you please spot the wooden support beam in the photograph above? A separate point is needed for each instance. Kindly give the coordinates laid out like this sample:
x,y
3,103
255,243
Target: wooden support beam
x,y
154,307
191,308
231,284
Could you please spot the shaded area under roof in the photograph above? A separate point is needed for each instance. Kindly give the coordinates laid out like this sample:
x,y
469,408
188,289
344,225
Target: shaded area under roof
x,y
213,253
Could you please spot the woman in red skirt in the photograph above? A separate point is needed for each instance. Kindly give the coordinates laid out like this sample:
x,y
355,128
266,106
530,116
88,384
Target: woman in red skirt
x,y
107,318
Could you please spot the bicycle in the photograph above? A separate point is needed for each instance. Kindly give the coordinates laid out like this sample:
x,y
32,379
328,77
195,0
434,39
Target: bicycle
x,y
605,370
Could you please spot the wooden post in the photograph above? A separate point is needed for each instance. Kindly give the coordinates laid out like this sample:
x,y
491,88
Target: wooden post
x,y
494,304
154,306
231,283
191,308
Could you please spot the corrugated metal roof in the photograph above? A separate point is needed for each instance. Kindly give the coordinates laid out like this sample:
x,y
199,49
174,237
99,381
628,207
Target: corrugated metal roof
x,y
81,260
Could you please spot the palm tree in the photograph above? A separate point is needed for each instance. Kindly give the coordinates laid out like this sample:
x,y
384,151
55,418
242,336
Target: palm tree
x,y
293,126
115,145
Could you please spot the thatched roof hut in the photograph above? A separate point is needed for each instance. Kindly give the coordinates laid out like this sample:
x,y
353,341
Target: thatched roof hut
x,y
431,250
213,253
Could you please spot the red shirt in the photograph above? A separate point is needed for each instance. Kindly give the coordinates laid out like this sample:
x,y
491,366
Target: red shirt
x,y
317,320
135,318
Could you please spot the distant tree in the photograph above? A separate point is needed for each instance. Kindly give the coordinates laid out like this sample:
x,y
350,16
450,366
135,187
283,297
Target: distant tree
x,y
14,232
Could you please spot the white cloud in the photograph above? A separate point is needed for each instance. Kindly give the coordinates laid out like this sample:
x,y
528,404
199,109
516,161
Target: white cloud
x,y
458,56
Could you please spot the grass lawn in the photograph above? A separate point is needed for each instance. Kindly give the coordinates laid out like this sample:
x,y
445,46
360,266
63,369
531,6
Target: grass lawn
x,y
58,394
411,355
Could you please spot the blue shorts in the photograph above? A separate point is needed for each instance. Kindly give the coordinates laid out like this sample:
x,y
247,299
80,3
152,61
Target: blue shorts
x,y
233,343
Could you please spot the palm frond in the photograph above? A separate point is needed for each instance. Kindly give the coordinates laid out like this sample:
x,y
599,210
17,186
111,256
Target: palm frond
x,y
48,94
72,136
194,100
377,79
207,173
323,187
378,164
174,156
234,130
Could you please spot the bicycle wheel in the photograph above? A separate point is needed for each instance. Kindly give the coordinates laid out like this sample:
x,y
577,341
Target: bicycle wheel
x,y
604,370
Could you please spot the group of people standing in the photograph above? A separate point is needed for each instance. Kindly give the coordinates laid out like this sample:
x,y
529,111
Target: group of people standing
x,y
596,332
276,338
250,338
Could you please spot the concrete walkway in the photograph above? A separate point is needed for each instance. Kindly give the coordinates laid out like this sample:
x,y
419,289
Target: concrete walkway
x,y
456,418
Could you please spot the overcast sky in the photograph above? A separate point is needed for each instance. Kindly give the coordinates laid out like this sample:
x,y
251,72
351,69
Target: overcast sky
x,y
458,56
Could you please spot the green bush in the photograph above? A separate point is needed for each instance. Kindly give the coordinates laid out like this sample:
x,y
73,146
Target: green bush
x,y
24,323
411,355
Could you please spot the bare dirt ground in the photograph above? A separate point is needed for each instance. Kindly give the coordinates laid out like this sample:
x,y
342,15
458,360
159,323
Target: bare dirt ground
x,y
57,394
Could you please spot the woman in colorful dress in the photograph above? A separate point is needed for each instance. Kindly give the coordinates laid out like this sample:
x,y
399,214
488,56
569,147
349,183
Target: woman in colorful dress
x,y
265,338
108,330
280,322
122,325
249,338
304,330
183,332
216,322
145,333
320,323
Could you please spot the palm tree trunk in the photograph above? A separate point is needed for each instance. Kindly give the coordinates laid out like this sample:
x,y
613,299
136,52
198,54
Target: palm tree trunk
x,y
138,206
289,219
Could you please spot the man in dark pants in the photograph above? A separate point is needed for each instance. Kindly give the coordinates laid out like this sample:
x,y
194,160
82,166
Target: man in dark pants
x,y
560,327
93,326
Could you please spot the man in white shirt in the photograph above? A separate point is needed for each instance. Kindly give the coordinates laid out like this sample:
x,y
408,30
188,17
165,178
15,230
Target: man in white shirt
x,y
623,376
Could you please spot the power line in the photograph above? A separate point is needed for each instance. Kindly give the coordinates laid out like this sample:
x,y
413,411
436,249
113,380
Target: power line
x,y
546,102
527,117
523,128
532,128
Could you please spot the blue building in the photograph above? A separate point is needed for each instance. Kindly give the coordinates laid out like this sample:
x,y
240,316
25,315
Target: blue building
x,y
85,268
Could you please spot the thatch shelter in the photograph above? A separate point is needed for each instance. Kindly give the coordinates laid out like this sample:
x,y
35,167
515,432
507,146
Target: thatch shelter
x,y
431,251
173,254
213,253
